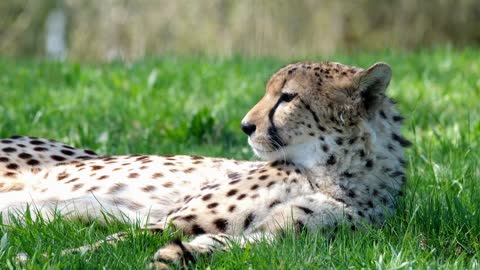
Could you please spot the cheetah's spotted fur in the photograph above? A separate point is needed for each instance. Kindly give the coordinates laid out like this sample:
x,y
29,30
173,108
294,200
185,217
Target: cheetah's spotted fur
x,y
333,153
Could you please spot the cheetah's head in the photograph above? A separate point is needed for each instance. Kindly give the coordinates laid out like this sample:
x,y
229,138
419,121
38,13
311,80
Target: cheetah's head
x,y
306,103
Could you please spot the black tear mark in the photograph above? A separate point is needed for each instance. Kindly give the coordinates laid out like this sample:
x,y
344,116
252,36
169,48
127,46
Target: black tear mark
x,y
272,130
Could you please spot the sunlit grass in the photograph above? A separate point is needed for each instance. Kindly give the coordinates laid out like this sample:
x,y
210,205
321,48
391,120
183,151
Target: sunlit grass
x,y
194,106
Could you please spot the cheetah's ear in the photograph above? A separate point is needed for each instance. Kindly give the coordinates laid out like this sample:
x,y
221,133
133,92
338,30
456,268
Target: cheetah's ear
x,y
371,85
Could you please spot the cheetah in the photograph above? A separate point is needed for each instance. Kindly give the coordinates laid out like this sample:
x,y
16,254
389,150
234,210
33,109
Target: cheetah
x,y
331,148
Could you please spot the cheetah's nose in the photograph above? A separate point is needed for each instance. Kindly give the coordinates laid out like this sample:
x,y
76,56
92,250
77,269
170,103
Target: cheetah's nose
x,y
248,128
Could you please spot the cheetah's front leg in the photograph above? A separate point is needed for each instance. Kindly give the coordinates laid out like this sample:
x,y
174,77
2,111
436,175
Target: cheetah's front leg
x,y
313,212
184,252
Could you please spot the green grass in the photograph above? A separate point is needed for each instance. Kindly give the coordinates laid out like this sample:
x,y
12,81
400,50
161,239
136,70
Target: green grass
x,y
194,106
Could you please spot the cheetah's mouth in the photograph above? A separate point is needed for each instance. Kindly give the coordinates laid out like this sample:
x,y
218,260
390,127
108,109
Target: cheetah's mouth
x,y
301,154
266,151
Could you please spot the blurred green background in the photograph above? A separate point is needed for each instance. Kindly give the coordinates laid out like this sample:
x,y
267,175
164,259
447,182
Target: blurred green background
x,y
93,30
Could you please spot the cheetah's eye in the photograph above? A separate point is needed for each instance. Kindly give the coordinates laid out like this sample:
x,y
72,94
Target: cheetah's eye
x,y
287,97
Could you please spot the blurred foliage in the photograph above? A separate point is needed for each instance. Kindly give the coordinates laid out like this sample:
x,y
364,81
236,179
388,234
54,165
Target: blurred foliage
x,y
127,29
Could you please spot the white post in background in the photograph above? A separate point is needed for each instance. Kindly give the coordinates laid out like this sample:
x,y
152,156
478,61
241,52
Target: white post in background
x,y
55,31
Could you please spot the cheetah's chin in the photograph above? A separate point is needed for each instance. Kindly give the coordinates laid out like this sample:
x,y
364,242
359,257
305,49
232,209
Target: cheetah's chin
x,y
302,154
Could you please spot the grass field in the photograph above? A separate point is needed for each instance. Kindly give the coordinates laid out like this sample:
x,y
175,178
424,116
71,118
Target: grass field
x,y
194,106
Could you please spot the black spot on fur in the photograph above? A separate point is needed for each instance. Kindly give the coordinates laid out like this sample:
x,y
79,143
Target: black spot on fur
x,y
221,224
90,152
306,210
382,114
263,177
196,229
233,175
33,162
57,158
67,152
37,142
331,160
212,205
12,166
232,192
248,220
207,197
338,130
9,150
325,148
397,174
369,163
189,218
24,156
370,204
274,203
398,118
275,163
339,200
401,140
339,141
271,183
352,140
